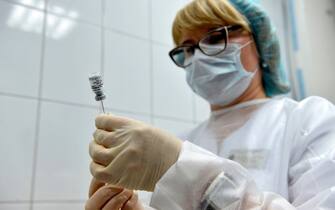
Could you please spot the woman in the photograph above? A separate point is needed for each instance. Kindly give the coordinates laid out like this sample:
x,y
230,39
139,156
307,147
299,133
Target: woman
x,y
254,152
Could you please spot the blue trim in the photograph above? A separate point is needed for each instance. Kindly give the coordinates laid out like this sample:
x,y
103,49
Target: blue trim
x,y
294,33
301,83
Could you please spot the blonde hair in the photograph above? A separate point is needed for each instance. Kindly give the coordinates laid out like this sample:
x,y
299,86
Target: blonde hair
x,y
206,13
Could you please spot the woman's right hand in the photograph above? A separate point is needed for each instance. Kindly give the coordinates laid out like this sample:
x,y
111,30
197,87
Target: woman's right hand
x,y
106,197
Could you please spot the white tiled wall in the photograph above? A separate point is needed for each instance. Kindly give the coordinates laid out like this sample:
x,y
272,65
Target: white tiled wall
x,y
47,109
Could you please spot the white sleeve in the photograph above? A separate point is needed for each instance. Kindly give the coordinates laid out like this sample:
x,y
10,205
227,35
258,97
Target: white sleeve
x,y
202,180
197,179
312,167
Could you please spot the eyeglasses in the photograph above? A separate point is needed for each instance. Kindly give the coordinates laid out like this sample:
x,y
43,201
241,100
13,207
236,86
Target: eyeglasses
x,y
213,43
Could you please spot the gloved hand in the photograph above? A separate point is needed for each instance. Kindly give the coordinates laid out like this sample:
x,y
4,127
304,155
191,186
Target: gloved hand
x,y
107,197
131,154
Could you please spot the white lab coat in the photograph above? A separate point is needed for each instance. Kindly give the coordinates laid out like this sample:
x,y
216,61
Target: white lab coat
x,y
282,156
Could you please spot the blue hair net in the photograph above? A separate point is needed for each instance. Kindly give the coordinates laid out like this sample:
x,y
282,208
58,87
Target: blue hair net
x,y
274,78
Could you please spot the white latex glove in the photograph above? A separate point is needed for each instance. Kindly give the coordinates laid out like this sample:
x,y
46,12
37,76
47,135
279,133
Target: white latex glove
x,y
131,154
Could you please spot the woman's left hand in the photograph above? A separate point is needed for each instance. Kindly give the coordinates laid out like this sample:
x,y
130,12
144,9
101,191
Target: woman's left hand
x,y
131,154
107,197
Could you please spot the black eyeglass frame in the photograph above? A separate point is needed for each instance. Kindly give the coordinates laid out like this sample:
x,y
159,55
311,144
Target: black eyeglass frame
x,y
225,29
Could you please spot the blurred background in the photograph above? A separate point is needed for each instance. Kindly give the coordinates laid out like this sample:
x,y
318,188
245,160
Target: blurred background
x,y
49,47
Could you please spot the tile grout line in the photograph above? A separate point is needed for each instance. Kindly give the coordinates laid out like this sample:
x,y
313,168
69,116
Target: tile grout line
x,y
151,74
102,41
15,95
55,101
15,202
38,112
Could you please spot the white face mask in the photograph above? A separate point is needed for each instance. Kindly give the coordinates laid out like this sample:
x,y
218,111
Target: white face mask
x,y
219,79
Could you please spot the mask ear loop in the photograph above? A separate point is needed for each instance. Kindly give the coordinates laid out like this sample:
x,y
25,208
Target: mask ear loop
x,y
261,61
249,42
246,44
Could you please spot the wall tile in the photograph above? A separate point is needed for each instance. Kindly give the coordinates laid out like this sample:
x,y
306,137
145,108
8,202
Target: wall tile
x,y
70,56
17,123
172,96
63,160
20,51
86,10
163,14
128,16
14,206
127,73
39,4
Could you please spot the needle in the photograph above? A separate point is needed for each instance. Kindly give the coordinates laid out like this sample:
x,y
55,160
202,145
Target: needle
x,y
102,106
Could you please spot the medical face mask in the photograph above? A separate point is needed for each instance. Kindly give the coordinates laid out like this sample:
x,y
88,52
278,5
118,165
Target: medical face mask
x,y
219,79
